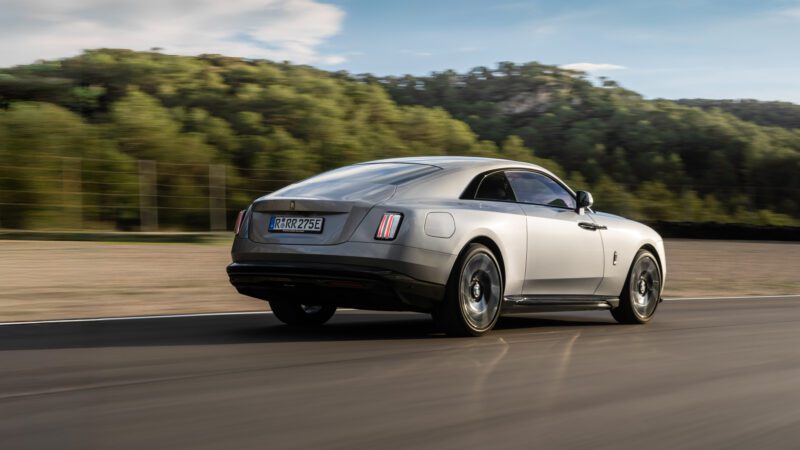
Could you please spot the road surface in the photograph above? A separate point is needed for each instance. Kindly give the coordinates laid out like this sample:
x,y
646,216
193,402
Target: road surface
x,y
705,374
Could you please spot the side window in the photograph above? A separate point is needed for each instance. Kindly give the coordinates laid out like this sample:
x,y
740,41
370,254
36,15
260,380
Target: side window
x,y
495,186
539,189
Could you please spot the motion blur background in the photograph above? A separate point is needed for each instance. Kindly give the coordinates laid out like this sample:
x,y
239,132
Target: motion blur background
x,y
143,139
151,123
169,117
117,139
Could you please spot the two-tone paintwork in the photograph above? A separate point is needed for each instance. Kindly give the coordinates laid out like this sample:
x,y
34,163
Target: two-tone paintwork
x,y
542,249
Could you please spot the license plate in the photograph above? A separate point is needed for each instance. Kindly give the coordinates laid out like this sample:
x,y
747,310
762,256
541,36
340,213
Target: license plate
x,y
294,224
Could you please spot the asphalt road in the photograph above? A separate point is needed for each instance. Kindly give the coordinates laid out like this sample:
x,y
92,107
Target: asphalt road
x,y
705,374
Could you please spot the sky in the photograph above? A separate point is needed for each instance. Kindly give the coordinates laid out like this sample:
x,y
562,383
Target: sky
x,y
661,49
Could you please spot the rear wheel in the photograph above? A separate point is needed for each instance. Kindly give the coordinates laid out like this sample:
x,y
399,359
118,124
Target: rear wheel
x,y
300,314
474,294
642,292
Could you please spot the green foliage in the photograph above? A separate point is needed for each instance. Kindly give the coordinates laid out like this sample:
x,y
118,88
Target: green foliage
x,y
657,202
269,123
272,124
612,197
619,141
772,114
48,157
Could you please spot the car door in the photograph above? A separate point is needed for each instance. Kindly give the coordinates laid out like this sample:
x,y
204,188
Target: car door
x,y
565,252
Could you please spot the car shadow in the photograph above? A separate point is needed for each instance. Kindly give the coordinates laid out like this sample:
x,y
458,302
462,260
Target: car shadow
x,y
249,328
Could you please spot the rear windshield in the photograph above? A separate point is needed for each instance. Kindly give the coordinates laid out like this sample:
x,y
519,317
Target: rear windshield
x,y
363,174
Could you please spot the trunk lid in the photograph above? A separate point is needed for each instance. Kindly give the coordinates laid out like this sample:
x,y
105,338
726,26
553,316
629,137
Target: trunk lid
x,y
342,207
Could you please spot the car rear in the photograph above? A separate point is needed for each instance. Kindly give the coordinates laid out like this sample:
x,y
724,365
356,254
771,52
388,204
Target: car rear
x,y
333,238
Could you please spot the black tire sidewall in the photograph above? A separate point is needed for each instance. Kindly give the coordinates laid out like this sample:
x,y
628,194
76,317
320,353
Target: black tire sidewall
x,y
292,313
453,316
626,313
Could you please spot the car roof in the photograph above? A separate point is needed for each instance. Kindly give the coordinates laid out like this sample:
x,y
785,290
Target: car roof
x,y
461,162
459,171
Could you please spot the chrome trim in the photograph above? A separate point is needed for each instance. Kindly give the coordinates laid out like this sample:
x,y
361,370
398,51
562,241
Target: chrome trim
x,y
645,286
591,226
480,291
543,303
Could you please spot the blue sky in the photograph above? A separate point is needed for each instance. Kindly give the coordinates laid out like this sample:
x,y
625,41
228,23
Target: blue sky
x,y
670,49
675,49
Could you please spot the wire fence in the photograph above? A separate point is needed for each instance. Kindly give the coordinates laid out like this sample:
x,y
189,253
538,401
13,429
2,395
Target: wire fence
x,y
47,191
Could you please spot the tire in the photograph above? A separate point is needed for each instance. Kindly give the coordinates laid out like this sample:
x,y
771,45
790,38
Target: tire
x,y
300,315
474,294
642,291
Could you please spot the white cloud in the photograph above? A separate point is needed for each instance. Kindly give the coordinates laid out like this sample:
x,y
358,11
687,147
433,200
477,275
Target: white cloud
x,y
417,53
592,67
469,49
279,30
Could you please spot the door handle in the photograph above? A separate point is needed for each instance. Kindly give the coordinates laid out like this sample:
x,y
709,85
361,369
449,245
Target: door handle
x,y
591,226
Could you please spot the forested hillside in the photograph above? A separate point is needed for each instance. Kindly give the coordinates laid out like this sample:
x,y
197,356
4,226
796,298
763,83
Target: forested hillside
x,y
72,131
771,114
658,149
269,123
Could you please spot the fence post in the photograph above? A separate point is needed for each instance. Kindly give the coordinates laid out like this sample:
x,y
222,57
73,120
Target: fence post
x,y
148,196
216,197
72,191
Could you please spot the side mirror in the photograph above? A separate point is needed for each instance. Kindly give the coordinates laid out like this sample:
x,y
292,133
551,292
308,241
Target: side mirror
x,y
585,200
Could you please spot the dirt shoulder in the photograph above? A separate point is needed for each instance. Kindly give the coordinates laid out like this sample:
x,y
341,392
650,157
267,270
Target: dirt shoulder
x,y
52,280
730,268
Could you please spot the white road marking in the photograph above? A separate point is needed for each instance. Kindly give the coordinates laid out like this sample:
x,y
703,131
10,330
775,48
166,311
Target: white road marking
x,y
732,298
161,316
245,313
109,319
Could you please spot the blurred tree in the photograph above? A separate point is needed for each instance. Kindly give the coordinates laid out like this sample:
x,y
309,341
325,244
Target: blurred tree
x,y
42,146
277,122
610,131
614,198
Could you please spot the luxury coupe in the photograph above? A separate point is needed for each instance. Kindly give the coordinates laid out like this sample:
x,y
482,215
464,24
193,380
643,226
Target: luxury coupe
x,y
464,239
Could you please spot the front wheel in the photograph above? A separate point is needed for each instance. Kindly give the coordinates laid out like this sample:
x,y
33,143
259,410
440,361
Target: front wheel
x,y
474,293
642,292
301,315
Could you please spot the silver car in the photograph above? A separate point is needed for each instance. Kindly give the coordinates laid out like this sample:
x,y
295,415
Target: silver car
x,y
464,239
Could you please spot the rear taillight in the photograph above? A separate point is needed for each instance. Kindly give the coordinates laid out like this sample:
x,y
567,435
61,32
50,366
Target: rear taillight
x,y
238,225
387,229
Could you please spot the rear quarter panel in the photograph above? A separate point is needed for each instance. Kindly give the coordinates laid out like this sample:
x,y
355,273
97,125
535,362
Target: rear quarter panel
x,y
502,223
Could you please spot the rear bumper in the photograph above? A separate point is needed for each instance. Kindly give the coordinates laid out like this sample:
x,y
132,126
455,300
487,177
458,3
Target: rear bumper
x,y
340,284
418,263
